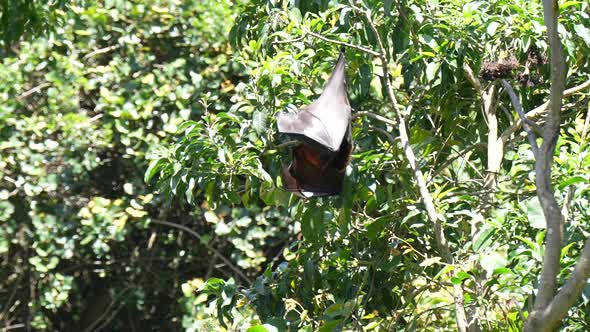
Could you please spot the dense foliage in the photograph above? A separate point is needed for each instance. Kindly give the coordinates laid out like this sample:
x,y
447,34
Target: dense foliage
x,y
26,18
80,110
139,165
369,259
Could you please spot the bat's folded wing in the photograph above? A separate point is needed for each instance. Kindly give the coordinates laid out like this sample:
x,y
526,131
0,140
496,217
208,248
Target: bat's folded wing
x,y
325,122
318,165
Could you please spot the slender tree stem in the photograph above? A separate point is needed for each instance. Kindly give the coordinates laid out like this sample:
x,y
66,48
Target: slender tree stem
x,y
549,309
337,42
441,241
207,245
518,107
374,116
542,109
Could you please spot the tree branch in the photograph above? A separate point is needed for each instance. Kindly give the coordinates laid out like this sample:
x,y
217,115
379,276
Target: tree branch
x,y
538,320
328,40
390,137
569,294
33,90
495,146
337,42
441,242
543,165
289,41
518,107
215,252
288,144
374,116
100,51
472,78
540,110
94,325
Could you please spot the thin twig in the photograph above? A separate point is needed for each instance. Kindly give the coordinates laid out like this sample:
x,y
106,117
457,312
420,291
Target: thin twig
x,y
459,154
540,110
472,78
100,318
286,145
13,327
525,124
337,42
545,315
441,242
109,319
207,245
507,113
289,41
374,116
33,90
6,310
100,51
390,137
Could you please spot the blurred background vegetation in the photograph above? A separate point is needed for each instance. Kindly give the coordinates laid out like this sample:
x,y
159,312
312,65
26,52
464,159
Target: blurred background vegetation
x,y
139,181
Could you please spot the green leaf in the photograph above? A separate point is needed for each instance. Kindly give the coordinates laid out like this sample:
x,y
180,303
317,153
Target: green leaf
x,y
153,168
186,125
567,4
432,70
190,190
492,27
295,14
257,328
376,227
566,249
491,261
387,7
484,239
259,122
572,180
527,241
535,213
458,279
583,32
312,224
502,271
329,326
212,286
334,310
366,78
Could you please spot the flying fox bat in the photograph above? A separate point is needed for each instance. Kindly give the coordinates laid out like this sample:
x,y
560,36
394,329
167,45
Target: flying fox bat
x,y
323,128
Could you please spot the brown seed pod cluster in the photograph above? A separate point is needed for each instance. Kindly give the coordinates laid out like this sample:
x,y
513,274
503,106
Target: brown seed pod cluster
x,y
491,71
503,69
534,60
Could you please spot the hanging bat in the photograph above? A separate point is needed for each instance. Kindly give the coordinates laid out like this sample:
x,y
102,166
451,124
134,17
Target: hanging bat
x,y
323,128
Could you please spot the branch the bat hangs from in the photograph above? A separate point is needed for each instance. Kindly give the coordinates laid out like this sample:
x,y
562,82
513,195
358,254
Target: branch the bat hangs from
x,y
318,164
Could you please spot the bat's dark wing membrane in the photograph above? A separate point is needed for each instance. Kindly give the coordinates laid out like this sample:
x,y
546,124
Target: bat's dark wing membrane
x,y
318,165
327,119
306,178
